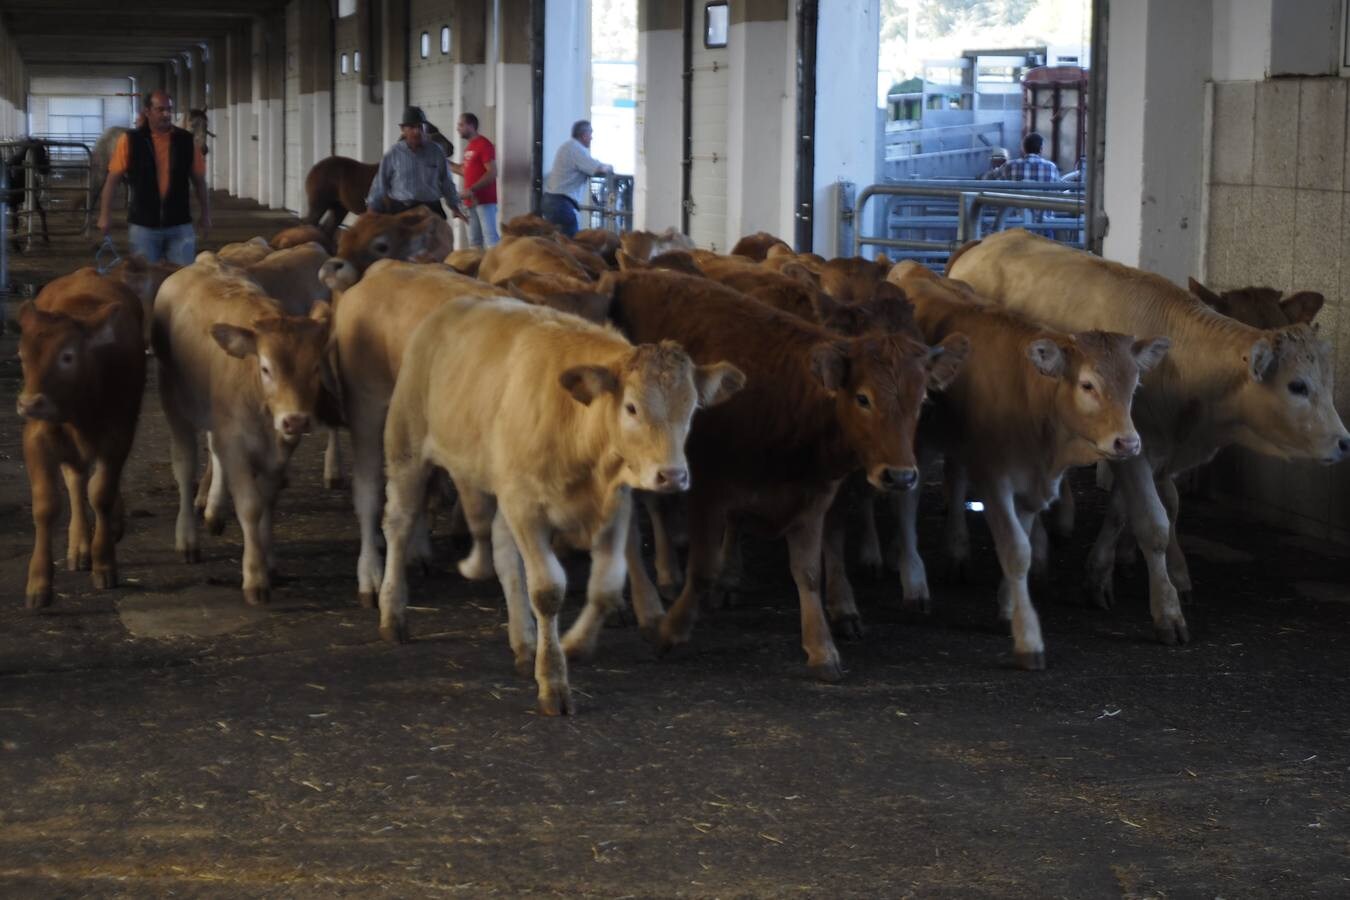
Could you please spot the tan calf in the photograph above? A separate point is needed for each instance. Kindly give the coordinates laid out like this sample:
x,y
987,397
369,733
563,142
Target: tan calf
x,y
540,255
83,361
1028,404
232,365
548,423
1222,383
417,235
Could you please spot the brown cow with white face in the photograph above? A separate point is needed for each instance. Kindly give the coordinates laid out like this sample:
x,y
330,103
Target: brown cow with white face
x,y
83,362
546,423
1029,404
416,235
233,365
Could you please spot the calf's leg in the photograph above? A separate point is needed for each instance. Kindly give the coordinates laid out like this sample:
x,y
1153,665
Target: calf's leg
x,y
39,453
479,508
604,589
547,584
1152,529
1012,541
183,452
842,607
333,479
804,550
215,484
913,574
1102,559
251,502
367,495
1177,570
103,487
78,535
706,525
646,596
510,568
404,492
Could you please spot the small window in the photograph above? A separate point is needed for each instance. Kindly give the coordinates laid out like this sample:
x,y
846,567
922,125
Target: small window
x,y
356,61
715,24
342,64
426,45
445,39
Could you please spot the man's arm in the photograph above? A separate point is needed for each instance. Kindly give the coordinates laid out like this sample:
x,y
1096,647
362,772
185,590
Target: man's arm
x,y
117,166
489,175
379,188
204,201
457,169
451,195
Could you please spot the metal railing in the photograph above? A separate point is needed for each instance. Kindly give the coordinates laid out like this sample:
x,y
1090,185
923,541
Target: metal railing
x,y
60,188
966,210
611,206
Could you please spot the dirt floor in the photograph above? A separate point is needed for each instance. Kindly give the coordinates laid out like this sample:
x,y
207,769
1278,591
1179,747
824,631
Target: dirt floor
x,y
162,739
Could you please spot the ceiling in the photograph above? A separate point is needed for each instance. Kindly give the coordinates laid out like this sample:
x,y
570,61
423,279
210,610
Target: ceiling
x,y
82,32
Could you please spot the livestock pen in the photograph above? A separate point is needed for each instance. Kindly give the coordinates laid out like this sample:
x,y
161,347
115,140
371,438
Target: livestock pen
x,y
165,738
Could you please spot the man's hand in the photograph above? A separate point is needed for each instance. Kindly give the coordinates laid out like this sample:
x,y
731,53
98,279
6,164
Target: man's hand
x,y
459,214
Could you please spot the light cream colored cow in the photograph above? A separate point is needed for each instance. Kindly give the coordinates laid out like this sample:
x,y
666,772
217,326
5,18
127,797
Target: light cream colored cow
x,y
242,253
232,365
537,255
548,422
1222,383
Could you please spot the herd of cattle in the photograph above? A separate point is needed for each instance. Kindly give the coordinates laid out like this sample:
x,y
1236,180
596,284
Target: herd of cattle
x,y
562,383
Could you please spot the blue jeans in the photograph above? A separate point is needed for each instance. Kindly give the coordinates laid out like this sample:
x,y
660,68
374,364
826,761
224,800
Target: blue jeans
x,y
177,243
557,209
482,225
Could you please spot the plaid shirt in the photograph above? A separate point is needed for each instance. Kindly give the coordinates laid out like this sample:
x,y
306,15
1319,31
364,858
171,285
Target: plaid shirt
x,y
1032,167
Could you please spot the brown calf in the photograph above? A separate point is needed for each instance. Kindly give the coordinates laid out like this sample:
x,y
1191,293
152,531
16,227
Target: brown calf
x,y
338,185
417,235
83,360
816,407
1262,307
303,234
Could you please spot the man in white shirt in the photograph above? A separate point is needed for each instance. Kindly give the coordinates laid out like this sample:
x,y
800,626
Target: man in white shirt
x,y
565,187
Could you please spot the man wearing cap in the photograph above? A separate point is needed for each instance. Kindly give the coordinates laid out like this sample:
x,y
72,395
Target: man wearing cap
x,y
415,172
997,157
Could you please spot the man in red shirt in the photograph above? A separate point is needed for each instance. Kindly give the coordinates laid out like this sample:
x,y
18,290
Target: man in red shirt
x,y
159,161
480,182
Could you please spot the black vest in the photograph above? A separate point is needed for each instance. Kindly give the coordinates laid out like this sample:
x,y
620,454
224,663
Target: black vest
x,y
147,208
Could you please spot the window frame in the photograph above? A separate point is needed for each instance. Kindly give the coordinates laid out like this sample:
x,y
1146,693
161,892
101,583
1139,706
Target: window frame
x,y
424,45
342,63
445,40
707,24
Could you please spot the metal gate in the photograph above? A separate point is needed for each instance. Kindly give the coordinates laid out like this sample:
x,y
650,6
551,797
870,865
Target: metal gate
x,y
47,192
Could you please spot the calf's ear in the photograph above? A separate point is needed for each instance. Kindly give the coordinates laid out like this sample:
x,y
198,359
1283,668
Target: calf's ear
x,y
1047,356
628,263
1302,307
585,383
829,364
1261,360
1148,352
946,359
1204,293
103,330
321,312
717,383
236,341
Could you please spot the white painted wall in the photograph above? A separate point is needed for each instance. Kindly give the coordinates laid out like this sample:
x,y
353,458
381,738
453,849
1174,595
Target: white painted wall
x,y
567,66
659,130
1241,39
847,44
514,137
755,108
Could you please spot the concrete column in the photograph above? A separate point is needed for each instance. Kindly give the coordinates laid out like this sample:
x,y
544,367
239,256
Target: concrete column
x,y
221,122
198,74
271,113
659,124
755,113
513,91
1154,135
243,158
369,111
394,63
316,82
847,43
469,45
567,72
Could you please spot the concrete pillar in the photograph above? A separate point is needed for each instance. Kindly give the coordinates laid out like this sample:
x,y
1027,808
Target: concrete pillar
x,y
241,110
755,116
197,74
316,82
271,112
369,110
847,44
567,73
469,45
1154,125
513,93
393,55
659,124
218,163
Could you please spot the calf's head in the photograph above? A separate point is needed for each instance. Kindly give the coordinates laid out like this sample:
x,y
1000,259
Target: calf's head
x,y
1095,374
878,383
290,355
1286,398
58,355
1262,307
650,397
417,235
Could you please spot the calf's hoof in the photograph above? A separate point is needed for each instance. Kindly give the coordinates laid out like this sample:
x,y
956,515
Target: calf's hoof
x,y
368,599
1030,660
215,525
922,604
830,671
525,664
475,570
336,484
105,578
669,591
558,703
396,633
258,596
651,632
81,562
849,627
38,599
580,652
1101,593
1173,633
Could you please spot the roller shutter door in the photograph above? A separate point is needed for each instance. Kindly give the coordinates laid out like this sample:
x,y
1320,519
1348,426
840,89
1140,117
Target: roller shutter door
x,y
431,81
